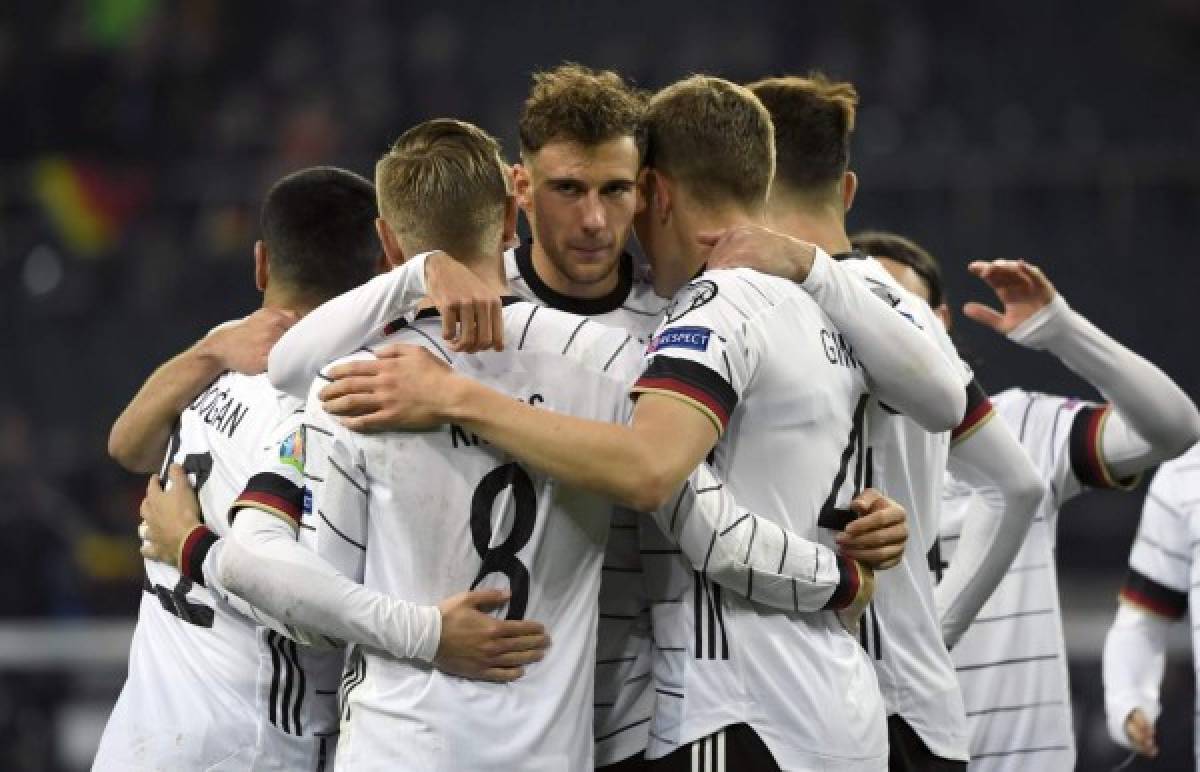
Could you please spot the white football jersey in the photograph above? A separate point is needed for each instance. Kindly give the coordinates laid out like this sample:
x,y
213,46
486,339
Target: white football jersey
x,y
207,687
900,630
1011,662
762,361
624,697
426,515
1164,569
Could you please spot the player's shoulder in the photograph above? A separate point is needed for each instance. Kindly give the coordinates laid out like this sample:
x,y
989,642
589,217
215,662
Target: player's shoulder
x,y
729,295
591,345
1180,477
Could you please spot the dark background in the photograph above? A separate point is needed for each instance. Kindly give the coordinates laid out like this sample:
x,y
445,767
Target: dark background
x,y
1060,133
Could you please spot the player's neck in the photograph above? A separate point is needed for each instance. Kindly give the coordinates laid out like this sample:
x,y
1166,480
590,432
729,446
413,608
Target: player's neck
x,y
693,222
282,300
489,269
820,222
558,281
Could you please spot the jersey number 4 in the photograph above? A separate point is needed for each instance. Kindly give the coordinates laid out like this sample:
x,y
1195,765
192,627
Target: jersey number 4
x,y
832,516
502,559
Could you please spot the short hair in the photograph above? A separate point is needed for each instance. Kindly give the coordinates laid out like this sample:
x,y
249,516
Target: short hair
x,y
814,118
715,138
908,252
443,185
318,225
574,103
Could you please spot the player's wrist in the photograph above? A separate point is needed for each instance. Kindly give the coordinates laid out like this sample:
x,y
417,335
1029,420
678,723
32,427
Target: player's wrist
x,y
459,399
1046,326
193,550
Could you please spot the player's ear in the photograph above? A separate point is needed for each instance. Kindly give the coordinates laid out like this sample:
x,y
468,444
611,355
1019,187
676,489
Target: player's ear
x,y
511,240
261,266
849,189
656,192
391,245
523,186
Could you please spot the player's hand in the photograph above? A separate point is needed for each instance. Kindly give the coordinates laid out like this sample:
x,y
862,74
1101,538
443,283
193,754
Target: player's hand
x,y
760,248
472,318
1141,733
401,389
1021,287
243,346
476,645
168,517
878,535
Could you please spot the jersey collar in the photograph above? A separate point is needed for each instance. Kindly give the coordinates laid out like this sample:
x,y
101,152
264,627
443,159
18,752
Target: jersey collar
x,y
582,306
853,254
429,313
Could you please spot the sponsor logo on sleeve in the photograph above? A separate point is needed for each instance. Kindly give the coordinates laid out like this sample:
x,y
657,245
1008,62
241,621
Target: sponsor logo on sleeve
x,y
695,338
291,450
307,508
697,294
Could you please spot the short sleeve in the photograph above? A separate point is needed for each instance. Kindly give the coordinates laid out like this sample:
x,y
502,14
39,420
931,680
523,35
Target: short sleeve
x,y
702,354
277,485
1160,563
1087,450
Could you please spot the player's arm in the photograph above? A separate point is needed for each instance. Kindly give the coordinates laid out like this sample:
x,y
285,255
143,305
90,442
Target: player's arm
x,y
1153,596
905,369
1151,419
1134,662
985,454
139,436
756,558
471,317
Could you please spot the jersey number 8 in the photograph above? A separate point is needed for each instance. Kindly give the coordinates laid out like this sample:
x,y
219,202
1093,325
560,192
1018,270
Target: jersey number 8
x,y
502,559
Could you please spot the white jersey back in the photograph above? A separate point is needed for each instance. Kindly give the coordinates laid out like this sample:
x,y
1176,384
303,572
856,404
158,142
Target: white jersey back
x,y
1164,567
207,688
624,697
758,356
427,515
901,630
1011,662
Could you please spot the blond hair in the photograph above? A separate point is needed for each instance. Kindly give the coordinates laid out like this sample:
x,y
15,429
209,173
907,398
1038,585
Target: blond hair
x,y
715,138
443,185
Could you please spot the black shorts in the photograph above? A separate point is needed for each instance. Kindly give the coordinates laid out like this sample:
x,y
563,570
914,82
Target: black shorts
x,y
908,752
736,748
636,763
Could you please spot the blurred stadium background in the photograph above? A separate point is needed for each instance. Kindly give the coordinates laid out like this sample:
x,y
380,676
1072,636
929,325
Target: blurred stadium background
x,y
138,136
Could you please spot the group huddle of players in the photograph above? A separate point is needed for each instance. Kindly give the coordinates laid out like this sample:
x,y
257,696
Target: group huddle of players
x,y
450,501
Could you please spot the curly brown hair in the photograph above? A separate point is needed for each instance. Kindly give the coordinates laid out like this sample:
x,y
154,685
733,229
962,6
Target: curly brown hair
x,y
579,104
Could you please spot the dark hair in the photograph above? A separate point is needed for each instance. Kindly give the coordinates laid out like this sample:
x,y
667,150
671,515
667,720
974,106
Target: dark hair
x,y
319,228
574,103
814,118
902,250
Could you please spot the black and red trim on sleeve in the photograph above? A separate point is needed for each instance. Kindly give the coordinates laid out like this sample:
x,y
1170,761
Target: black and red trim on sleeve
x,y
195,548
692,382
979,411
850,584
1145,593
1087,454
271,493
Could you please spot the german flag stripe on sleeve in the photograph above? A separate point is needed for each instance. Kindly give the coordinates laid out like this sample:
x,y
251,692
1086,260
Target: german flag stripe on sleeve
x,y
195,548
1087,453
849,585
1145,593
693,383
979,412
271,493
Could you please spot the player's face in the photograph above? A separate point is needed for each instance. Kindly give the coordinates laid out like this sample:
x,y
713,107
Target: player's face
x,y
580,201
